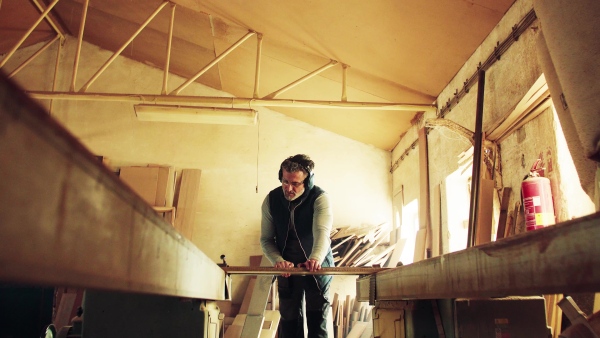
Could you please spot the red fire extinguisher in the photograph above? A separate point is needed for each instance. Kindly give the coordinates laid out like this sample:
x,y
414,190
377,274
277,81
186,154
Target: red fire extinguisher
x,y
537,199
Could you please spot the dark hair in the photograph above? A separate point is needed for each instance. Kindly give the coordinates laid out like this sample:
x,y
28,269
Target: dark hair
x,y
298,162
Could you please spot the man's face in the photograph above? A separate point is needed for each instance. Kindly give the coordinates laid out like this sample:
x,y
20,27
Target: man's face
x,y
292,184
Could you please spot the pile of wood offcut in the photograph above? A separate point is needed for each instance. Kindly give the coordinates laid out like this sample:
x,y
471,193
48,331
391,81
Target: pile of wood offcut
x,y
361,246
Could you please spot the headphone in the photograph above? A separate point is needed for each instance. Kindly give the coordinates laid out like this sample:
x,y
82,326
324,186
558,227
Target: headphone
x,y
309,181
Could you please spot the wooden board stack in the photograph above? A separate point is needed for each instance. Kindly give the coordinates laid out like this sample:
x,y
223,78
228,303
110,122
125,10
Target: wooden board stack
x,y
351,319
364,246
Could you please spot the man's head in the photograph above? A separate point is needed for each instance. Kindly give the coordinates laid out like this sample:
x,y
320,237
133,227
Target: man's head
x,y
296,176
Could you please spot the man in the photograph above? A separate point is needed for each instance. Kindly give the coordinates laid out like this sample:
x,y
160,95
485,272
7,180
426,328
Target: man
x,y
295,228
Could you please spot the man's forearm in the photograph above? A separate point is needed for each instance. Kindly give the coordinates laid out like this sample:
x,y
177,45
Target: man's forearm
x,y
322,223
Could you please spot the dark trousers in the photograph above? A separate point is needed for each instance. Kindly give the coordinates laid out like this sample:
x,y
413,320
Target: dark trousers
x,y
295,291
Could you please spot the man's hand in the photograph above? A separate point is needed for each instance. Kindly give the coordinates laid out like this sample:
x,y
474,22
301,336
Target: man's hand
x,y
311,265
284,265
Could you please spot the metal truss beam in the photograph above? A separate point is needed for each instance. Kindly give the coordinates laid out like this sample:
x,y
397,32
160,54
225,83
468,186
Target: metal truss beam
x,y
228,102
122,48
212,63
266,101
59,31
302,79
26,35
33,56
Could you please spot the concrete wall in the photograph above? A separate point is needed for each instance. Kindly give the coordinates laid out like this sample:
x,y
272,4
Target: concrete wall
x,y
507,81
239,163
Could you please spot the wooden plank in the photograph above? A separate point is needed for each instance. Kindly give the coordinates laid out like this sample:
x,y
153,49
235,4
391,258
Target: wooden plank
x,y
247,296
485,213
360,255
395,257
270,330
342,242
168,213
444,231
347,307
340,320
355,245
368,333
362,313
536,94
420,245
436,221
334,307
235,329
258,303
271,271
142,180
424,204
252,326
519,219
165,186
256,260
500,232
71,222
554,314
512,220
343,232
65,308
380,256
358,231
267,330
347,247
187,201
563,258
438,319
364,257
357,330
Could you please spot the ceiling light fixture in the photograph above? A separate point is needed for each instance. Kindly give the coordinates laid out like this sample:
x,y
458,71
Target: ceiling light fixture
x,y
191,114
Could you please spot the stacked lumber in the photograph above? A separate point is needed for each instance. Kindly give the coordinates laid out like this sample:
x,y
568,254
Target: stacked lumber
x,y
155,184
361,246
240,320
351,319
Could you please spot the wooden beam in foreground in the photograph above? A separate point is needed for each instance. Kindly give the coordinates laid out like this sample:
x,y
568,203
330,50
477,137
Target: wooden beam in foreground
x,y
66,220
562,258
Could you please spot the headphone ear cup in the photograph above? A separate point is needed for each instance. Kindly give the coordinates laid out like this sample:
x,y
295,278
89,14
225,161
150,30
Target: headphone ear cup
x,y
280,174
310,181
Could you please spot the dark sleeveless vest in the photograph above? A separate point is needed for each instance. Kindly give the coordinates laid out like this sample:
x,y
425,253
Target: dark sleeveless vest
x,y
302,217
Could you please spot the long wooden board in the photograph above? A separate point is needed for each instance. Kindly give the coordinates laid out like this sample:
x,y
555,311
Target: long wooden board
x,y
187,202
562,258
251,270
66,220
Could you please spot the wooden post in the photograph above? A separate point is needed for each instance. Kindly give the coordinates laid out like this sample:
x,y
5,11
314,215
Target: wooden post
x,y
424,234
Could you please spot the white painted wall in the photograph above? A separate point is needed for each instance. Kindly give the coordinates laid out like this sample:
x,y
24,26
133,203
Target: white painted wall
x,y
239,163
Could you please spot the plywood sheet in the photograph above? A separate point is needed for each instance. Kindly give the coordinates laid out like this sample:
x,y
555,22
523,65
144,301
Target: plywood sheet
x,y
485,212
186,202
143,180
